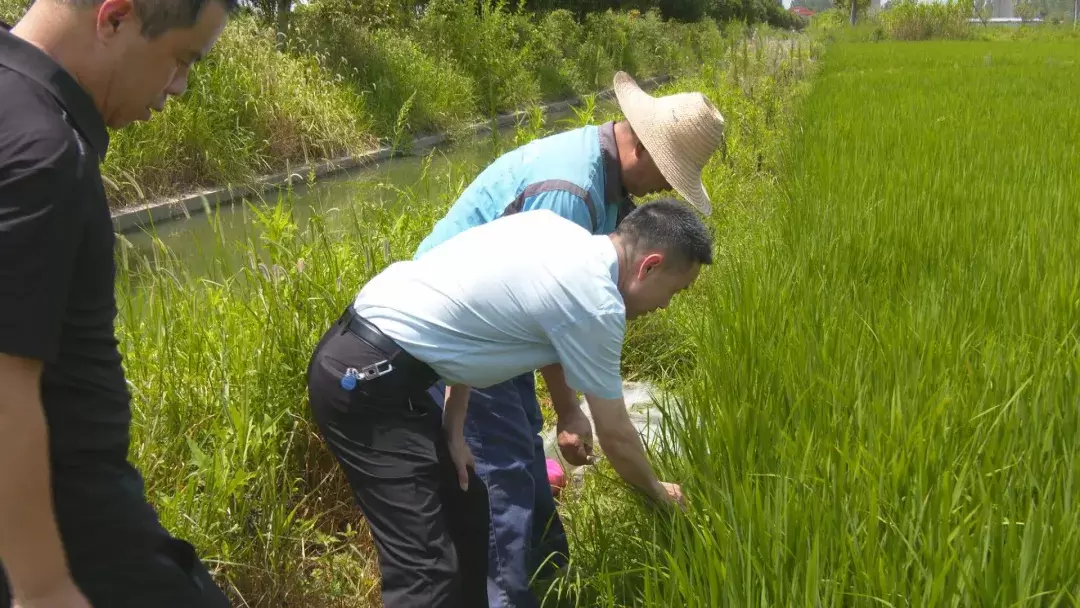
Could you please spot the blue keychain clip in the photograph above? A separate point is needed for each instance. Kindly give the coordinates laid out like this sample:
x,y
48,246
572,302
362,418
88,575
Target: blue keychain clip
x,y
348,381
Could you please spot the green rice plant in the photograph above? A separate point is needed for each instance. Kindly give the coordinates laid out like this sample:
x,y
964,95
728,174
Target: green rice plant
x,y
1043,32
742,180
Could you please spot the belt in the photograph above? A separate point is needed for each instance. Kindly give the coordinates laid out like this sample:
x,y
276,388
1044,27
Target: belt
x,y
410,368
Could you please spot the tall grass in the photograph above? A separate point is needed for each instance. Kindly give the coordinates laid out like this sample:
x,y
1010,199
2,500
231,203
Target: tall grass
x,y
217,364
401,84
217,360
885,406
911,20
342,79
250,110
11,10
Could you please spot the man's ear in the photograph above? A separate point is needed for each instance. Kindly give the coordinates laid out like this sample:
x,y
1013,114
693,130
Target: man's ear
x,y
112,14
649,264
639,150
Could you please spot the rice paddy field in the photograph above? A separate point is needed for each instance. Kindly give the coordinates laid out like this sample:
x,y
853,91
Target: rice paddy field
x,y
886,405
874,392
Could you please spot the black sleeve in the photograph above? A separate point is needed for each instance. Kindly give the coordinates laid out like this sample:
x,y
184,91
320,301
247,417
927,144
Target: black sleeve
x,y
40,231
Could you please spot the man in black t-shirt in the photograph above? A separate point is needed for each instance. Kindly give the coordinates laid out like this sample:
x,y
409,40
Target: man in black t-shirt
x,y
75,527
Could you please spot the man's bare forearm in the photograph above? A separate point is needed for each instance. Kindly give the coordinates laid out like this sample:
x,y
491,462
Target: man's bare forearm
x,y
563,398
455,408
30,545
623,447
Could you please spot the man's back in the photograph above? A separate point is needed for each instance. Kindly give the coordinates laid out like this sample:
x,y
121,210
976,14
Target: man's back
x,y
570,160
507,297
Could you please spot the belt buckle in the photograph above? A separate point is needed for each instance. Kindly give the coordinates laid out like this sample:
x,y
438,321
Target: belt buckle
x,y
376,370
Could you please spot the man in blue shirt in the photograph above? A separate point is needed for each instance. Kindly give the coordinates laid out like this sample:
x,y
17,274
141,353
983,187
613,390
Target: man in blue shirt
x,y
585,175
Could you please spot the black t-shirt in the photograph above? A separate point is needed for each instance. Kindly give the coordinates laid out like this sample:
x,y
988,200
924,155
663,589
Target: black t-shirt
x,y
57,269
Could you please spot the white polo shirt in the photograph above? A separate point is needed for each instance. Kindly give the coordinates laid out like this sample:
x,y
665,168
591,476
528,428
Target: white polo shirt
x,y
505,298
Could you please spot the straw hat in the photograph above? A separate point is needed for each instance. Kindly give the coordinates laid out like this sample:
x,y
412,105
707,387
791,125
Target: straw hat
x,y
680,131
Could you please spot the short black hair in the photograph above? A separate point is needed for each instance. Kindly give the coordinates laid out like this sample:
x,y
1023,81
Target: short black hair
x,y
160,16
669,226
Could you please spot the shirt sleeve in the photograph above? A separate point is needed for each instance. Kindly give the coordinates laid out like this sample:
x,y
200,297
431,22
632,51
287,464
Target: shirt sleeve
x,y
39,237
590,352
562,203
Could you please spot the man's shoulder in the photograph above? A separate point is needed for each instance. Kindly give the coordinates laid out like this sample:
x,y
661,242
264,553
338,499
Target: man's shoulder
x,y
33,131
581,264
571,156
546,225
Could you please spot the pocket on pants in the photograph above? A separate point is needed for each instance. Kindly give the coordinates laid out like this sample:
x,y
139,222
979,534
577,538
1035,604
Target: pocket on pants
x,y
383,396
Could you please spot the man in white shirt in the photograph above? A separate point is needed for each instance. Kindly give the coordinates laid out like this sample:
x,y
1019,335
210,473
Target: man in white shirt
x,y
516,294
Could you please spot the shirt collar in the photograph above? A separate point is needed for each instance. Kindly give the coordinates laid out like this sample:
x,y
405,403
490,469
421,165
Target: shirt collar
x,y
614,191
30,61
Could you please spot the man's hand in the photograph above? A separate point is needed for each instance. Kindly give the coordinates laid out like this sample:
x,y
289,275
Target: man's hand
x,y
575,436
673,494
573,428
64,596
462,457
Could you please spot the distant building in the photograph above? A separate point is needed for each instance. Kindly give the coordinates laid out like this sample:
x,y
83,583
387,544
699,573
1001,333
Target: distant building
x,y
802,11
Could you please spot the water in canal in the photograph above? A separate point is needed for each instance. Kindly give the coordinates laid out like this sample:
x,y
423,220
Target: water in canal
x,y
207,238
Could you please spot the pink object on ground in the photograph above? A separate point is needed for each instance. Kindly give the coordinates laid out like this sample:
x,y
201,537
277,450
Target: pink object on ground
x,y
556,476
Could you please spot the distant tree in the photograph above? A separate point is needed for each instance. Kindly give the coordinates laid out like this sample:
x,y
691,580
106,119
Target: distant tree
x,y
1025,10
683,10
815,5
1055,9
984,9
274,12
861,6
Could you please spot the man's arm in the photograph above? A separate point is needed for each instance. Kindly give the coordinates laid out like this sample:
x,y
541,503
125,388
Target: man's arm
x,y
455,408
30,544
623,447
573,428
590,351
40,227
564,399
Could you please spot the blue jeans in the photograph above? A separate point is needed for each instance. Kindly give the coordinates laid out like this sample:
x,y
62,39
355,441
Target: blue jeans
x,y
503,430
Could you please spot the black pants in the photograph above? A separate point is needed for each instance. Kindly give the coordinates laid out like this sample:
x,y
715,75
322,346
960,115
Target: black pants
x,y
387,435
118,553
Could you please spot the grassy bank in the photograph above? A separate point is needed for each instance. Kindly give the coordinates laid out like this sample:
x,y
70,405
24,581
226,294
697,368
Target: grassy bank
x,y
333,84
217,360
887,412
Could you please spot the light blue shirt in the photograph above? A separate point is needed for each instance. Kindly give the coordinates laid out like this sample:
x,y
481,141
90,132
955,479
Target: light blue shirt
x,y
505,298
575,174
